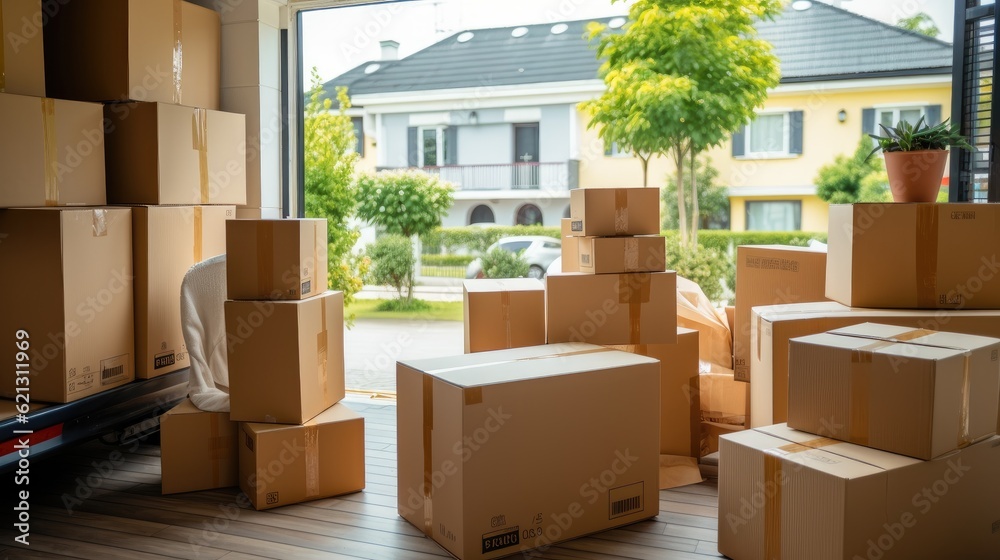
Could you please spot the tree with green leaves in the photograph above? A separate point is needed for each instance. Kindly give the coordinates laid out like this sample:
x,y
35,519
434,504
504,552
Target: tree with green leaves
x,y
680,78
392,262
501,263
330,158
407,202
921,23
849,178
713,198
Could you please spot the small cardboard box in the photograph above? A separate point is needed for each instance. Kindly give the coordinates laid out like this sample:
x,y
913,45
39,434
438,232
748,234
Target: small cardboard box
x,y
198,449
615,255
570,248
789,494
22,57
276,259
909,391
51,152
723,399
322,458
502,314
166,242
604,212
467,425
772,275
67,285
142,50
711,432
634,308
159,153
680,403
286,358
774,326
914,256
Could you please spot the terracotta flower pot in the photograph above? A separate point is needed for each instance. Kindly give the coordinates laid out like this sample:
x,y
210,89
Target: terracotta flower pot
x,y
915,176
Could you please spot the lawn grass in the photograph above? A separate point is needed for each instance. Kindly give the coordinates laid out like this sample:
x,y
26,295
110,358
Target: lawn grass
x,y
439,311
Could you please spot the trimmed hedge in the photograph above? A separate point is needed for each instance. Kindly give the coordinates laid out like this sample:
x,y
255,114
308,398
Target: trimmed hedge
x,y
724,240
446,260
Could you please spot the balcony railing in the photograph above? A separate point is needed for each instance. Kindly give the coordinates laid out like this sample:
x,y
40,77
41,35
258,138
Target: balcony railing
x,y
510,176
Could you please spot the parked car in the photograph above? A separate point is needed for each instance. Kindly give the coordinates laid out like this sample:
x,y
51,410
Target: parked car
x,y
538,250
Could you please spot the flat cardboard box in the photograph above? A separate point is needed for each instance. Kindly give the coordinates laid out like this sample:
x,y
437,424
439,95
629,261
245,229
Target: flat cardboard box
x,y
634,308
914,256
604,212
67,284
51,152
680,402
789,494
772,275
324,457
276,259
166,242
198,449
909,391
286,358
134,50
22,54
502,314
508,446
570,249
159,153
615,255
711,432
723,399
774,326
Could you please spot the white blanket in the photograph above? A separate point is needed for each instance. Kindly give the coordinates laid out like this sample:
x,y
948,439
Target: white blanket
x,y
203,293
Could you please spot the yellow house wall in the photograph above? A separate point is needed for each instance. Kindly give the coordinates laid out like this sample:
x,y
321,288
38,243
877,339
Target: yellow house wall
x,y
814,212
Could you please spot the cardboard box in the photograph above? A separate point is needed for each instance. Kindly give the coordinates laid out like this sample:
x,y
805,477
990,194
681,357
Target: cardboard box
x,y
159,153
680,403
276,259
712,432
909,391
141,50
615,255
723,399
51,152
22,56
286,358
67,285
198,449
925,256
570,249
508,447
636,308
772,275
774,326
166,242
502,314
789,494
322,458
606,212
10,408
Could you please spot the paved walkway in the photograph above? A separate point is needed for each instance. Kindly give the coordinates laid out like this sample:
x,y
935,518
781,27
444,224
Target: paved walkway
x,y
428,289
372,347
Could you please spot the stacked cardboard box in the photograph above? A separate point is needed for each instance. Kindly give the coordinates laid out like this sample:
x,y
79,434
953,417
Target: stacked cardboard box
x,y
501,314
285,347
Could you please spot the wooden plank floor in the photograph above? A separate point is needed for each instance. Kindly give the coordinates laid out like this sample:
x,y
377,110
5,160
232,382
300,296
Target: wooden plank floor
x,y
96,504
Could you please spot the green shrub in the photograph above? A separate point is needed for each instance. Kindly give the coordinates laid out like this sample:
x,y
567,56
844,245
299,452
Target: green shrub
x,y
403,305
500,263
726,241
392,262
478,239
708,267
446,260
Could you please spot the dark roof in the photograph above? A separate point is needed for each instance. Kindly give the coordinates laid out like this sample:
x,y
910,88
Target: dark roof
x,y
820,43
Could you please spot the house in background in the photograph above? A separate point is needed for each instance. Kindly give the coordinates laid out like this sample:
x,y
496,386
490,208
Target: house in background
x,y
495,111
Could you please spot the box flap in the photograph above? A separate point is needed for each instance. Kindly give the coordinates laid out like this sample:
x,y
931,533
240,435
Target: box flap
x,y
837,457
918,337
336,413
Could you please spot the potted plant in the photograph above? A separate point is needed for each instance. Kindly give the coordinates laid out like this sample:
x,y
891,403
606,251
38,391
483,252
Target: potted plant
x,y
915,156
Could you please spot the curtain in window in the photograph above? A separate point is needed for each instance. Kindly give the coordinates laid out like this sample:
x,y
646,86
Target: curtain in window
x,y
780,215
767,134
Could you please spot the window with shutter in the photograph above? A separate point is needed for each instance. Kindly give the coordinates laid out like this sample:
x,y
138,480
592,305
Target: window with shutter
x,y
770,134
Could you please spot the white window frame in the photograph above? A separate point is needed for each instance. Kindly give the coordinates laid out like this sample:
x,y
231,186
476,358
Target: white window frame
x,y
785,136
895,110
439,140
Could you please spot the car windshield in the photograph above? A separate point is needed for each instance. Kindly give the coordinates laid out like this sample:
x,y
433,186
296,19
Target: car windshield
x,y
514,246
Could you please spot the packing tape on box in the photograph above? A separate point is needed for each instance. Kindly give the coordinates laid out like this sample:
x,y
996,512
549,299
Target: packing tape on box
x,y
311,455
199,140
927,255
3,40
198,234
633,289
631,251
472,395
319,244
265,257
51,165
514,361
321,351
964,438
99,222
621,211
428,485
178,54
505,314
215,452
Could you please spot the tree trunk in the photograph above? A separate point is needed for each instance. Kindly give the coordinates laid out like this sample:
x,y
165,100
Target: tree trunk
x,y
695,217
645,169
681,207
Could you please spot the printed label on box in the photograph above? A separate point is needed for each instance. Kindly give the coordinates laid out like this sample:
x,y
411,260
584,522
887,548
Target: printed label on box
x,y
163,360
114,369
501,539
625,500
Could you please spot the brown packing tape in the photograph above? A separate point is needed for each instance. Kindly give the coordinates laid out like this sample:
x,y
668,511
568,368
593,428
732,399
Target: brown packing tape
x,y
964,439
428,451
311,437
99,222
198,234
631,263
860,403
505,315
473,395
633,289
216,452
542,357
265,257
3,39
178,54
926,256
199,140
51,165
321,350
621,211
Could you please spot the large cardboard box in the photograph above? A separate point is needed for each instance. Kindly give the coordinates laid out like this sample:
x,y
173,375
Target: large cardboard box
x,y
134,50
774,326
723,399
614,211
322,458
615,255
510,449
680,402
502,314
198,449
570,248
635,308
51,152
909,391
286,358
166,242
772,275
22,52
67,286
789,494
276,259
159,153
917,256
